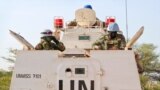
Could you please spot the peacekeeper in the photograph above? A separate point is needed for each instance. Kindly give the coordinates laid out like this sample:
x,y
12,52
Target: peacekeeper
x,y
49,42
112,40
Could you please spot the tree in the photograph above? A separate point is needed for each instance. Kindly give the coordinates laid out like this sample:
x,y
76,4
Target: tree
x,y
11,58
150,61
12,55
150,80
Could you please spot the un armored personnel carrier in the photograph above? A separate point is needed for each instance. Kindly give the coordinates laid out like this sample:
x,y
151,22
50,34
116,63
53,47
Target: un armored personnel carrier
x,y
78,67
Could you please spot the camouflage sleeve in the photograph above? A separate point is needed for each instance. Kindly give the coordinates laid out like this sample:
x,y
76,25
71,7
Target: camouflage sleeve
x,y
61,46
100,43
39,47
96,45
46,46
123,44
123,41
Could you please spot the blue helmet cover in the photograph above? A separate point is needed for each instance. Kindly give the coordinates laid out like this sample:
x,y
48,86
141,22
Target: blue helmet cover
x,y
113,27
88,6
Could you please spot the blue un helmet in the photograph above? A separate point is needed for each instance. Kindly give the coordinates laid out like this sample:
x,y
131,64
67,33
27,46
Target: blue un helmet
x,y
46,32
113,27
88,6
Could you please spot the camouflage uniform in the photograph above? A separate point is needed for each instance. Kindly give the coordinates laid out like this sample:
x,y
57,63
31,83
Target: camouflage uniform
x,y
139,65
50,43
105,43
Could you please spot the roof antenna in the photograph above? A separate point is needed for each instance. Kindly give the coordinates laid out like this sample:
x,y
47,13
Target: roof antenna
x,y
126,20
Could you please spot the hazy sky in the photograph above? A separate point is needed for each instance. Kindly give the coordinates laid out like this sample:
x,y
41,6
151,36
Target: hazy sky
x,y
30,17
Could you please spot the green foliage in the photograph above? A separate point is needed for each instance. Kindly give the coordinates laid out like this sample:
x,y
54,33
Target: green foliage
x,y
151,66
148,84
12,54
144,80
150,60
5,79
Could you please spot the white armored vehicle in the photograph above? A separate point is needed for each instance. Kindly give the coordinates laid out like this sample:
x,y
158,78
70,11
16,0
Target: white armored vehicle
x,y
78,67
